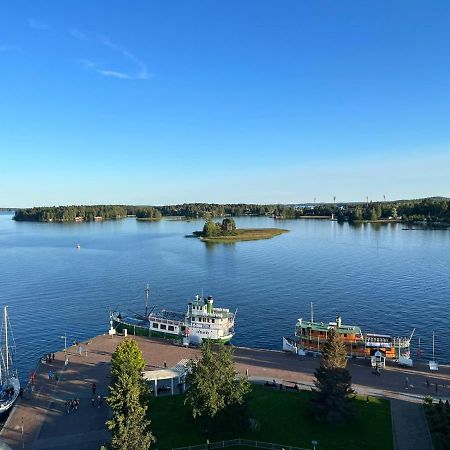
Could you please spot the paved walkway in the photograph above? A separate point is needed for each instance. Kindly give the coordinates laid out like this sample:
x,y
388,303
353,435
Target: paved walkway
x,y
47,426
410,426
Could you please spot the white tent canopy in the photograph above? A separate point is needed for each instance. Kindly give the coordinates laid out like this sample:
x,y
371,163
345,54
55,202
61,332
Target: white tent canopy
x,y
177,372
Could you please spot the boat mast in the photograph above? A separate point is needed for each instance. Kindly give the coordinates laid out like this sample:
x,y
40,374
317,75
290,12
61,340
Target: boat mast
x,y
147,294
6,343
433,345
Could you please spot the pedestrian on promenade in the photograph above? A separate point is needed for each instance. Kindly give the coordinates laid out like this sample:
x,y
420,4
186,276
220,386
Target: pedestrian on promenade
x,y
93,401
53,356
428,382
76,402
67,407
406,383
94,387
50,375
165,365
99,401
435,387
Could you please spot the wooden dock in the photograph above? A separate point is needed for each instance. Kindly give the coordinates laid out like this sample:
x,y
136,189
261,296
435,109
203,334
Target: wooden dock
x,y
40,420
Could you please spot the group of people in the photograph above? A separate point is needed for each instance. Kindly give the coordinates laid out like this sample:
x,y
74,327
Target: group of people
x,y
48,358
96,401
52,376
72,405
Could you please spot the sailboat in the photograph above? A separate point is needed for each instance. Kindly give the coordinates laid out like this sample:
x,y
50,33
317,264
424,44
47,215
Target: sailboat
x,y
9,380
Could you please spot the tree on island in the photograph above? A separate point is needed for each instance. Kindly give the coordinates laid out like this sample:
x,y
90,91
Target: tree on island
x,y
331,400
214,387
127,399
211,229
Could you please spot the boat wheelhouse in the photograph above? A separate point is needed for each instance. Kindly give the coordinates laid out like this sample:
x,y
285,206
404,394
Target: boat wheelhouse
x,y
311,336
202,320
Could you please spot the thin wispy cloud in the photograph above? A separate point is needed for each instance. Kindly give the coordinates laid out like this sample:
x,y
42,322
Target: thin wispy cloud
x,y
77,34
141,74
98,67
114,74
37,24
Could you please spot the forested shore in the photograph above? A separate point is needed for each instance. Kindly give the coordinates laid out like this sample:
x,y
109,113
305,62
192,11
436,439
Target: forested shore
x,y
432,210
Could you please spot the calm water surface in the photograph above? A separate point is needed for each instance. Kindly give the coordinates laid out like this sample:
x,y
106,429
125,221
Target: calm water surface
x,y
379,277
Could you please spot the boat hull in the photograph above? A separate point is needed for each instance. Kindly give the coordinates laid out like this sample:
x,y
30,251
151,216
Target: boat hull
x,y
6,402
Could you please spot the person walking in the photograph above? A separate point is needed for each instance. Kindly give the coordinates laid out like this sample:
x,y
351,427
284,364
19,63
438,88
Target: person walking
x,y
406,383
94,387
99,401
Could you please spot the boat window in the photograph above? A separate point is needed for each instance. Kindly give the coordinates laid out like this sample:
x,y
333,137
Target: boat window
x,y
154,325
171,328
162,327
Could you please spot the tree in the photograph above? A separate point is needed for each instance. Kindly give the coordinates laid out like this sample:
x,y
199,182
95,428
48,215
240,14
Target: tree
x,y
332,394
228,225
213,385
210,229
127,398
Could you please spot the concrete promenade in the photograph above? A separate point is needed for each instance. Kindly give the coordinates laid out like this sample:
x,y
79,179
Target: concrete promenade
x,y
40,420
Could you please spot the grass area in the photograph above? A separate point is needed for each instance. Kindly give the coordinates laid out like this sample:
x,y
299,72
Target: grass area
x,y
438,418
244,234
283,418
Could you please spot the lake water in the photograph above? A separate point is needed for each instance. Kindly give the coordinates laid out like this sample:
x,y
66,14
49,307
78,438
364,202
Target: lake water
x,y
382,278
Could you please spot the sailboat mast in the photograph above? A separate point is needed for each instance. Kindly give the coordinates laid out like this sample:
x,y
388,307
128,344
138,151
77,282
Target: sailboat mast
x,y
433,345
6,343
147,295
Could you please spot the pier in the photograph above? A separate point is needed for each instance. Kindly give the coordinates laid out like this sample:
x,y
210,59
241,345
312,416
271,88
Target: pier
x,y
40,421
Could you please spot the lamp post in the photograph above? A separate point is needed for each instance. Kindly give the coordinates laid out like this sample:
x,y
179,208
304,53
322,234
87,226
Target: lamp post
x,y
65,347
314,443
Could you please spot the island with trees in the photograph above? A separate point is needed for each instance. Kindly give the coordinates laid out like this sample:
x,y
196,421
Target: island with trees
x,y
226,232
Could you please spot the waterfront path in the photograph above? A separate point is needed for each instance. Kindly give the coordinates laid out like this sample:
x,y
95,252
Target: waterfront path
x,y
46,425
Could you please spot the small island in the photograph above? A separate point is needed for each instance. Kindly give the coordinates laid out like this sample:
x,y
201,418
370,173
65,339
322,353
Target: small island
x,y
227,232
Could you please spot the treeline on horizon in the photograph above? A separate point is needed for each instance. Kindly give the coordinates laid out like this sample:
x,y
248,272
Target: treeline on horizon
x,y
428,209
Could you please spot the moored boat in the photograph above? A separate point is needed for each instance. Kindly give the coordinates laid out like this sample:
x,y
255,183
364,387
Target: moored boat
x,y
201,321
9,380
311,336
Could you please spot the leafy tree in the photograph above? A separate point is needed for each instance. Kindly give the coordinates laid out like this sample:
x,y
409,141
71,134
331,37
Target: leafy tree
x,y
213,386
210,229
128,398
228,225
332,394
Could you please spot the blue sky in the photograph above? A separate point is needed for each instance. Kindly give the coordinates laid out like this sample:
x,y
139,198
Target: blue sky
x,y
223,101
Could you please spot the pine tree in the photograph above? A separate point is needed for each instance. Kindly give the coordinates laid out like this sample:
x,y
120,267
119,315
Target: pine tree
x,y
333,392
127,398
213,386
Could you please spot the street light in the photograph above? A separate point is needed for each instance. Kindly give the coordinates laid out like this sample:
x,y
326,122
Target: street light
x,y
65,348
314,443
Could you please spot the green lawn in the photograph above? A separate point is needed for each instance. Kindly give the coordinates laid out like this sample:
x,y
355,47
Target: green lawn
x,y
283,419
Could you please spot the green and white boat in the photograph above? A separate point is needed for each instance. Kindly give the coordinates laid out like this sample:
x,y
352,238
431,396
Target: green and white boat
x,y
202,321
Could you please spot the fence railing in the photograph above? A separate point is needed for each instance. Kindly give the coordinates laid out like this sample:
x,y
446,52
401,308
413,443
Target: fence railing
x,y
240,443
